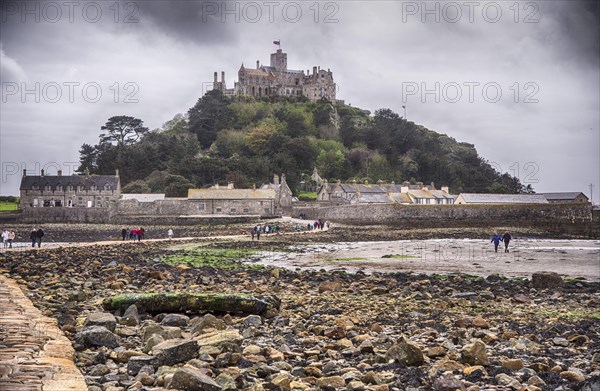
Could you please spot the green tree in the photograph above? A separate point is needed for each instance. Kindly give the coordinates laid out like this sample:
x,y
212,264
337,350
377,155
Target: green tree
x,y
123,130
87,158
210,115
136,187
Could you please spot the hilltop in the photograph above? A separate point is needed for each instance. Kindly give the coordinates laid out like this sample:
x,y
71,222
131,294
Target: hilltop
x,y
245,140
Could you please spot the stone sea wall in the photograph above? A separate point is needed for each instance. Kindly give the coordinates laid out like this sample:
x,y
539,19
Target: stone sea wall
x,y
562,219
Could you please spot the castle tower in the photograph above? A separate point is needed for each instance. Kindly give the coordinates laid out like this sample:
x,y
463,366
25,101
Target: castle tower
x,y
279,61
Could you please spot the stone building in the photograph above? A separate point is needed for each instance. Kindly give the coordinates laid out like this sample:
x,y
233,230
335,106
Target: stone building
x,y
277,80
283,193
566,197
72,191
230,201
354,193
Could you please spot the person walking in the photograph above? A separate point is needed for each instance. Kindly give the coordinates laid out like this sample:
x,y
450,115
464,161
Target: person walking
x,y
496,240
5,238
170,233
506,238
124,233
11,238
33,237
39,235
253,232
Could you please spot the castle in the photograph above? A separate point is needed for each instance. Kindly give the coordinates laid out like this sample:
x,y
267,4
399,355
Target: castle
x,y
277,80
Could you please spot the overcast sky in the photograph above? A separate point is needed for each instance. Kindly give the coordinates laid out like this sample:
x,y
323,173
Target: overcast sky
x,y
519,80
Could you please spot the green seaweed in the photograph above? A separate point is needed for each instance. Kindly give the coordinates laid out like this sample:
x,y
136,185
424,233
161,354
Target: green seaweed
x,y
226,258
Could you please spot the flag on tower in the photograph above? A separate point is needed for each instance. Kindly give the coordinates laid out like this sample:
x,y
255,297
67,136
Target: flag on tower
x,y
278,42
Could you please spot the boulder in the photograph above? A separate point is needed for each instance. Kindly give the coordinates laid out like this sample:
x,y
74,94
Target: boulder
x,y
131,317
97,336
405,352
173,351
546,280
193,379
101,319
474,354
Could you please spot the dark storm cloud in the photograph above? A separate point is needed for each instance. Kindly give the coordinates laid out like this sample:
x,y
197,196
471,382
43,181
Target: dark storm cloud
x,y
578,28
195,21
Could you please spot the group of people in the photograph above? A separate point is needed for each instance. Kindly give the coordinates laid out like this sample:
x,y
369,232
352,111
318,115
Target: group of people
x,y
135,234
7,238
496,239
267,229
36,236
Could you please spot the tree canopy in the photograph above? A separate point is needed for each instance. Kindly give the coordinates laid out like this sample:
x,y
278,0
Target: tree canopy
x,y
246,140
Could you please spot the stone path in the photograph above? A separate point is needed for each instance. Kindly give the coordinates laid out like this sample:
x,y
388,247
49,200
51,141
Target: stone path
x,y
34,353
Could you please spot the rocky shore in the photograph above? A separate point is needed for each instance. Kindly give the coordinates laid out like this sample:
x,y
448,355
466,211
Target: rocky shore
x,y
332,330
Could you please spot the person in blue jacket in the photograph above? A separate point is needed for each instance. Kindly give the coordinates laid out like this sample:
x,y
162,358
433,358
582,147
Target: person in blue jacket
x,y
496,239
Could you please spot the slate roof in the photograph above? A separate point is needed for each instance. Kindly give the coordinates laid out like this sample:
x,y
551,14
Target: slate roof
x,y
374,198
28,182
565,196
474,198
231,194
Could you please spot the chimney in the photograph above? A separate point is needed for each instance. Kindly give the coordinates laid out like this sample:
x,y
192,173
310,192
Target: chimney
x,y
229,185
314,71
215,77
282,178
254,186
404,187
42,172
117,173
24,172
432,186
420,184
275,179
59,172
222,76
257,64
446,189
216,186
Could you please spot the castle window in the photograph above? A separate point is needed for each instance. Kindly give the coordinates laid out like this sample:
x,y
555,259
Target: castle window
x,y
297,81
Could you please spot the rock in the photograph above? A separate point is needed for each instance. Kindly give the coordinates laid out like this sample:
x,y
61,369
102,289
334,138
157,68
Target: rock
x,y
193,379
101,319
546,280
366,347
206,322
253,320
97,336
560,341
173,351
405,352
480,323
330,286
506,381
219,337
572,375
136,363
513,364
447,383
226,382
281,381
356,385
175,320
521,298
98,370
436,351
331,381
474,354
154,340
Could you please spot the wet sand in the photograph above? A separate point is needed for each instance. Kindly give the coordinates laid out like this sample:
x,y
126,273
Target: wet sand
x,y
569,258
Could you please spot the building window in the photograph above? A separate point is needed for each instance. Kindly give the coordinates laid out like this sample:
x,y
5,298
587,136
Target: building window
x,y
93,188
35,187
70,188
80,201
246,210
107,187
79,187
47,188
202,206
218,210
267,210
232,210
59,188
